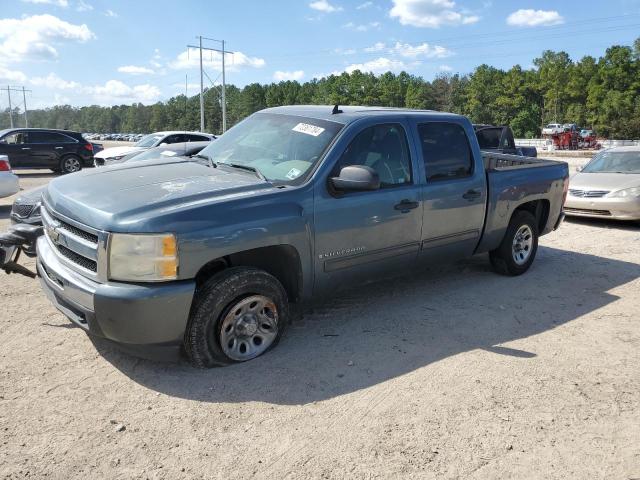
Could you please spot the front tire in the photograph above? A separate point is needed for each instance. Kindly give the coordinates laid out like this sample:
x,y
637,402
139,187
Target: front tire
x,y
237,315
518,249
70,164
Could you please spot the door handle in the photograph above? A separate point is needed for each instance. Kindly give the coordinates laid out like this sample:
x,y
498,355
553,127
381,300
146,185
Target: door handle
x,y
471,195
26,148
406,205
59,148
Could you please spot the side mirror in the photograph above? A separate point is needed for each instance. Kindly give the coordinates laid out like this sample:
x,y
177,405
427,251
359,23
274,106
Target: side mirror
x,y
356,178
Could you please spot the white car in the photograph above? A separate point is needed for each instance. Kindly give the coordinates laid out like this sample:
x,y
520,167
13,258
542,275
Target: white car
x,y
9,183
149,141
552,129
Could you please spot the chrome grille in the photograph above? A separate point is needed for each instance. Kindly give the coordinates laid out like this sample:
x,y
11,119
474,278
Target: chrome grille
x,y
588,193
77,246
22,210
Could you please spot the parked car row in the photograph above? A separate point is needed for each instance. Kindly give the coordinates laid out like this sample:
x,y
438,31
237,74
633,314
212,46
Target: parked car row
x,y
115,154
120,137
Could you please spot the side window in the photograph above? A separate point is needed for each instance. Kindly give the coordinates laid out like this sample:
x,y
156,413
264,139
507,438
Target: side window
x,y
445,150
197,138
16,138
383,148
177,138
489,138
49,137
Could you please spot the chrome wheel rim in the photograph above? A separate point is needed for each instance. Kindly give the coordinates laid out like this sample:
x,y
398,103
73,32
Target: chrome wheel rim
x,y
249,328
71,165
522,245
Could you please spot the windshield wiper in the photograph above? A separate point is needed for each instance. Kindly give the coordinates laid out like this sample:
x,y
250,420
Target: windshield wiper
x,y
212,164
249,169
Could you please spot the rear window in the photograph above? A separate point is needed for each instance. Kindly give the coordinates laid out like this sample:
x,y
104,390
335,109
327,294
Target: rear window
x,y
445,150
489,138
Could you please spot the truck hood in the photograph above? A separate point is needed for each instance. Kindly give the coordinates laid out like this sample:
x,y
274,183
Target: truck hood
x,y
117,151
604,181
129,197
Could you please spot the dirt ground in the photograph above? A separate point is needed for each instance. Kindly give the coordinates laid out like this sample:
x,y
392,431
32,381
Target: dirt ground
x,y
453,372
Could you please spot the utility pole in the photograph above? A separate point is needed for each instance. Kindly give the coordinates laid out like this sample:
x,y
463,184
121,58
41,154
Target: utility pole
x,y
201,89
223,52
10,107
24,100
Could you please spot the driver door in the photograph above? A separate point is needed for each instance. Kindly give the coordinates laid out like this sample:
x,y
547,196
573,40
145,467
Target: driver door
x,y
361,235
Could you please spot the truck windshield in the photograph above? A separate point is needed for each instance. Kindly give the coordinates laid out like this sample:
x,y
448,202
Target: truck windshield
x,y
283,148
614,162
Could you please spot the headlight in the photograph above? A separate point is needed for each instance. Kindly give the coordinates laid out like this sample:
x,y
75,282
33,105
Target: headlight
x,y
143,258
626,193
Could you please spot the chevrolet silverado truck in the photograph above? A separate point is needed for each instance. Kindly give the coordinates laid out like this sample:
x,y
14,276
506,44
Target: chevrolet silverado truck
x,y
208,257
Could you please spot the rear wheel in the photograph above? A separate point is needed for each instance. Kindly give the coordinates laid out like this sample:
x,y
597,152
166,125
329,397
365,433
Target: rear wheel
x,y
238,315
70,164
518,249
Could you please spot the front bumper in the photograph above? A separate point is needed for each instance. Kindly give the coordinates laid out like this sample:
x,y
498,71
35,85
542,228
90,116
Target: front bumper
x,y
148,320
603,207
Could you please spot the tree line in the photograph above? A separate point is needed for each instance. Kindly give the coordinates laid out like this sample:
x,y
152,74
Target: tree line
x,y
602,94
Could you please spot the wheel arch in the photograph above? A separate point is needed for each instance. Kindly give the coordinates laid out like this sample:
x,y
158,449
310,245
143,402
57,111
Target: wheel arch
x,y
281,261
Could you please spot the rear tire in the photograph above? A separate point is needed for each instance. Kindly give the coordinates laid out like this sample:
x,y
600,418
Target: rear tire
x,y
518,249
70,164
237,315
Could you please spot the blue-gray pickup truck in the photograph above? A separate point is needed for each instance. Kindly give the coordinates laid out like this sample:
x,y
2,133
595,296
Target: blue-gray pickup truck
x,y
207,256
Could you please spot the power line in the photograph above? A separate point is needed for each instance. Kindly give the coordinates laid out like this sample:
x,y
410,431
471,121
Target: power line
x,y
24,99
223,53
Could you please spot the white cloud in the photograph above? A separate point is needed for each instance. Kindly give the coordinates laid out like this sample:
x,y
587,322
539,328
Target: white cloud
x,y
534,18
57,3
54,82
423,50
364,5
377,47
361,27
445,68
379,65
110,13
11,76
83,6
295,75
115,91
191,59
430,13
135,70
34,37
324,6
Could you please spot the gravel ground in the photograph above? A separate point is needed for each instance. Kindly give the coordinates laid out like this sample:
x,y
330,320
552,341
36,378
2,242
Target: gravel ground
x,y
453,372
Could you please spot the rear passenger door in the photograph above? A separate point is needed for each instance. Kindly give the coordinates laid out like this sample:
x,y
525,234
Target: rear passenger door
x,y
47,148
360,235
454,194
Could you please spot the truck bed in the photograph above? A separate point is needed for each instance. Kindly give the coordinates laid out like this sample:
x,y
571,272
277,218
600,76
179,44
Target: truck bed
x,y
503,161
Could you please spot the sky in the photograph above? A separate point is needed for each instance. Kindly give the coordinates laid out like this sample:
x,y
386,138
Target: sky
x,y
84,52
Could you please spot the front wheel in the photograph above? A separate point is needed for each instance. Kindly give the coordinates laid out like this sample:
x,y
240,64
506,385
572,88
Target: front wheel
x,y
70,164
238,315
518,249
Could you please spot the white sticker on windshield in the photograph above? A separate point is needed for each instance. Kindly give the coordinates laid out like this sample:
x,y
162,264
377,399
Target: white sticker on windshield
x,y
308,129
293,174
168,153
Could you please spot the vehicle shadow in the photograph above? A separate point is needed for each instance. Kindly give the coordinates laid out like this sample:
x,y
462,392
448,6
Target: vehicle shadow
x,y
384,330
35,174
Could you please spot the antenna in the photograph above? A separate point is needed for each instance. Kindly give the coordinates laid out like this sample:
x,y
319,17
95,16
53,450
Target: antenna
x,y
335,110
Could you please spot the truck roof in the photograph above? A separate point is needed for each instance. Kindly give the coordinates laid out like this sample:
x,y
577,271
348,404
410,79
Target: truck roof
x,y
351,113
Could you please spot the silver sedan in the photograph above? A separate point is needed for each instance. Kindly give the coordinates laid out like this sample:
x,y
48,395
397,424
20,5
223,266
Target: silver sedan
x,y
608,186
